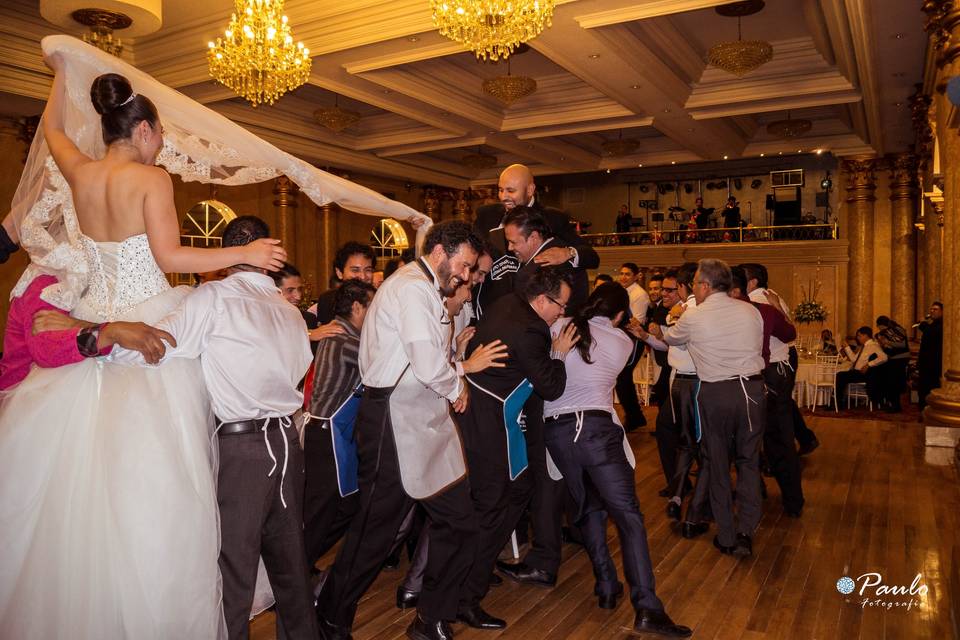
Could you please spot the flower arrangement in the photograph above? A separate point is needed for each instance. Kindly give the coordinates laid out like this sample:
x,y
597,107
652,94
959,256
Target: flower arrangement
x,y
810,309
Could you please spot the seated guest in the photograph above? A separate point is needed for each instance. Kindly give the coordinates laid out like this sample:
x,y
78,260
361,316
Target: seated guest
x,y
892,338
827,344
864,369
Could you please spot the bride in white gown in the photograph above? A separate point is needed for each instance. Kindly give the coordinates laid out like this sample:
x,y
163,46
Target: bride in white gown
x,y
108,511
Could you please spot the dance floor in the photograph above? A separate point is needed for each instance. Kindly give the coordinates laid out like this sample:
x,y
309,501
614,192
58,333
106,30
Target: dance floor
x,y
878,503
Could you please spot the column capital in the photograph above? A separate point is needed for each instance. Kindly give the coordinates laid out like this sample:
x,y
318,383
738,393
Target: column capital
x,y
943,25
861,178
286,191
920,105
903,175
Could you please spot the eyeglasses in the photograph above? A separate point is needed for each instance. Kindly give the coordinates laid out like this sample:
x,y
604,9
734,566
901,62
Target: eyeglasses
x,y
562,306
668,289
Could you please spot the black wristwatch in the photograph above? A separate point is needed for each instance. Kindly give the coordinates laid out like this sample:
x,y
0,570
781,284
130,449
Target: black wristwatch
x,y
87,339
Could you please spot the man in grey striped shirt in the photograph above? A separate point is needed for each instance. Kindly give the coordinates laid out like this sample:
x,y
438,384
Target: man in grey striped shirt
x,y
336,374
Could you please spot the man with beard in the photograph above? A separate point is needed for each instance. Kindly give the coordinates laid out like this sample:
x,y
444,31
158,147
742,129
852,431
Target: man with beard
x,y
408,447
516,188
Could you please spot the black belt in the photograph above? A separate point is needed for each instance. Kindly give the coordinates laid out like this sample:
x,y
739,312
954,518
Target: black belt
x,y
590,413
239,427
686,376
756,376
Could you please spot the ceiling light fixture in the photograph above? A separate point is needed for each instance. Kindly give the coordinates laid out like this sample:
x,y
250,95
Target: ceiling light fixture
x,y
335,118
789,128
492,29
743,56
256,56
102,24
509,88
479,160
620,147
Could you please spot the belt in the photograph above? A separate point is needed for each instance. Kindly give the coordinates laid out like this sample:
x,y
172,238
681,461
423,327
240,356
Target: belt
x,y
756,376
591,413
686,376
239,427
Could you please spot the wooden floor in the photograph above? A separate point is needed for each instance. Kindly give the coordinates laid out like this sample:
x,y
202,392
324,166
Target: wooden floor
x,y
874,504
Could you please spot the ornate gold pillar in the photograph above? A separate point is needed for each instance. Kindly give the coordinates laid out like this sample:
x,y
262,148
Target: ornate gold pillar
x,y
461,209
861,183
326,255
903,262
933,250
943,23
431,204
286,191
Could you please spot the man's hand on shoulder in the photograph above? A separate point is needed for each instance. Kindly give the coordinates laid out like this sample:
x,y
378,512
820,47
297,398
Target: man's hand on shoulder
x,y
554,256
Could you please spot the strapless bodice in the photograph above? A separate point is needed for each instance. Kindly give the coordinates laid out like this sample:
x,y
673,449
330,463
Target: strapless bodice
x,y
122,275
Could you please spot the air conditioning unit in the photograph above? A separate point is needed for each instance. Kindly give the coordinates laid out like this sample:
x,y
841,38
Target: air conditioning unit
x,y
790,178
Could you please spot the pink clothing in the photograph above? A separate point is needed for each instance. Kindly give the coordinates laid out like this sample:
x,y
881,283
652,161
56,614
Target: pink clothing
x,y
21,348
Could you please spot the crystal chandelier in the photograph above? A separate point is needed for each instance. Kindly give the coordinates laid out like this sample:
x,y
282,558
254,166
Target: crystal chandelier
x,y
509,88
256,56
789,128
620,147
102,24
335,118
743,56
479,160
491,28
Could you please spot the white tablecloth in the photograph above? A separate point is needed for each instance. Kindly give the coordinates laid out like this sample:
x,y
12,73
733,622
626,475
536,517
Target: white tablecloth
x,y
806,373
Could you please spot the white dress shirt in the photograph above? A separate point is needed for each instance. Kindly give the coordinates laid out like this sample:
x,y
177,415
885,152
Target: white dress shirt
x,y
252,345
779,351
639,301
408,324
677,356
724,337
870,348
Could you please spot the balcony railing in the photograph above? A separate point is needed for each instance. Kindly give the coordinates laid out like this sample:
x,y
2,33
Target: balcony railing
x,y
695,236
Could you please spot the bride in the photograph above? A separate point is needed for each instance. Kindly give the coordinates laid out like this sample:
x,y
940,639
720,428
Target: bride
x,y
108,511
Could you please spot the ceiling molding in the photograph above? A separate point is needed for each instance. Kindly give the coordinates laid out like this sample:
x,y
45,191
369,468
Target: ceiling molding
x,y
589,126
630,11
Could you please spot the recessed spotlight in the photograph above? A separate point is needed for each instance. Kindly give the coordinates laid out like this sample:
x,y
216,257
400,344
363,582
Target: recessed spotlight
x,y
640,165
666,109
724,157
608,170
413,39
491,132
634,86
779,153
799,150
819,151
898,36
594,56
387,91
762,154
898,104
673,162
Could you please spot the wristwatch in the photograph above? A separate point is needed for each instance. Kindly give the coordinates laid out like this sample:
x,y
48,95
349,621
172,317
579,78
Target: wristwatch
x,y
88,339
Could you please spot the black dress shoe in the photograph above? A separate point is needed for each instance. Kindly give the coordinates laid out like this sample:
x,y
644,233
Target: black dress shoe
x,y
393,560
495,580
419,629
525,574
673,510
608,600
794,513
658,622
330,631
723,549
664,493
744,546
477,618
407,599
691,530
808,447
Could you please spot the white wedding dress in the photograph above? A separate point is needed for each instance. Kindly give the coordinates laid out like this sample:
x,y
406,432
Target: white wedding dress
x,y
108,510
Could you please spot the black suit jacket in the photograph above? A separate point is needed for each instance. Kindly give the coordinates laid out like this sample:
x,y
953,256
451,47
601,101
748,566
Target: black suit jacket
x,y
579,287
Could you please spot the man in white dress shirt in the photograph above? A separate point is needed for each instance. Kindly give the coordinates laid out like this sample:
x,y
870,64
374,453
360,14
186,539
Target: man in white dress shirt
x,y
626,389
408,446
253,350
724,337
865,361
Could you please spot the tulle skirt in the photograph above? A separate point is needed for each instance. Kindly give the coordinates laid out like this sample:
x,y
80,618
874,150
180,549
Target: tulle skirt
x,y
108,509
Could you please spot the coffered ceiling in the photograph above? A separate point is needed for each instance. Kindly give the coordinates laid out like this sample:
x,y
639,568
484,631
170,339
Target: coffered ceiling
x,y
605,68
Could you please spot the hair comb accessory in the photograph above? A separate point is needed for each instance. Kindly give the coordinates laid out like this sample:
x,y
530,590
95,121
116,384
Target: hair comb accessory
x,y
127,101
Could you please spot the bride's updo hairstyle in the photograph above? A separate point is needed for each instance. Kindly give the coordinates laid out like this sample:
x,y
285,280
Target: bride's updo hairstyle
x,y
120,110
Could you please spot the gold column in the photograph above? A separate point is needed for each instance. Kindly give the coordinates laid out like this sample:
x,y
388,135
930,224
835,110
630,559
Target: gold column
x,y
286,201
326,255
431,204
860,186
933,250
943,23
461,209
903,262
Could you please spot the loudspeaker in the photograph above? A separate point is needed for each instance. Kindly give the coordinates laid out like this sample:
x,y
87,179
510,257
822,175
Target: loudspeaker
x,y
771,202
823,199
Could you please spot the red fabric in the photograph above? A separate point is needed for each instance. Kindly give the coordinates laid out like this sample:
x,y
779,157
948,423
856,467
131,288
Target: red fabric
x,y
307,386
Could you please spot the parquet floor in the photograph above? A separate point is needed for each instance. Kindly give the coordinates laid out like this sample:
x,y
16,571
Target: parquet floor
x,y
874,504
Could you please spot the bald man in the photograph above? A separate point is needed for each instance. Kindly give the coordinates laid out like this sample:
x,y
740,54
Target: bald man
x,y
516,188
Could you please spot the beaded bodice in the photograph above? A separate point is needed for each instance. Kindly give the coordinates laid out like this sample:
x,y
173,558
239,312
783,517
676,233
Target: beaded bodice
x,y
122,275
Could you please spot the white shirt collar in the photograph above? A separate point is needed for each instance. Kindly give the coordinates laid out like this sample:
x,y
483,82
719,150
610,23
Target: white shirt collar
x,y
539,249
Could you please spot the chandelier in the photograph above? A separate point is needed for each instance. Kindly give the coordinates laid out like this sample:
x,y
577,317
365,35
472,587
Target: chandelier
x,y
509,88
620,147
743,56
789,128
491,28
479,160
256,56
335,118
102,23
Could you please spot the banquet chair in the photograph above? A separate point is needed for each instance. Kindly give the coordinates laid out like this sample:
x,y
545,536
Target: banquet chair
x,y
858,391
644,377
824,381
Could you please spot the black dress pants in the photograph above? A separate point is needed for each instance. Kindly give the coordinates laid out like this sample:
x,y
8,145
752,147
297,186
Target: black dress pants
x,y
373,531
326,515
732,414
668,441
627,391
254,522
778,434
602,483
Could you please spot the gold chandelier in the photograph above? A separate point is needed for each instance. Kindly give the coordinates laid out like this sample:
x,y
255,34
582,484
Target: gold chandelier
x,y
789,128
256,56
335,118
509,88
102,24
620,147
743,56
491,28
479,160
